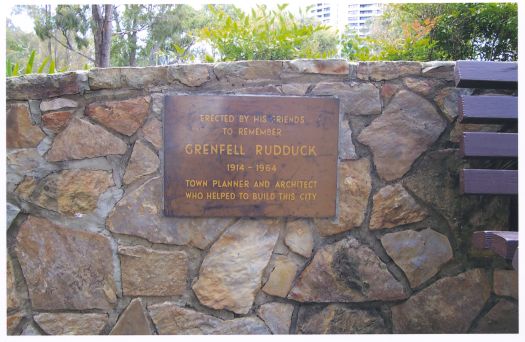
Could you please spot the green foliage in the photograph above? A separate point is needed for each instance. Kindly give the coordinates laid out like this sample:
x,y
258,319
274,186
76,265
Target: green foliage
x,y
13,69
262,35
29,66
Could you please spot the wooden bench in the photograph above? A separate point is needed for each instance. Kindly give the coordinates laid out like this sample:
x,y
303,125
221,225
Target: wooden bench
x,y
490,109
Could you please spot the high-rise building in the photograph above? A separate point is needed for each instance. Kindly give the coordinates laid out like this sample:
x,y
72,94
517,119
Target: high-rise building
x,y
342,14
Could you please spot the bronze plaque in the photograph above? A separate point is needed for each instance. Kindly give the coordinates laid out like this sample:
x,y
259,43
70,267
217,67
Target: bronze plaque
x,y
254,156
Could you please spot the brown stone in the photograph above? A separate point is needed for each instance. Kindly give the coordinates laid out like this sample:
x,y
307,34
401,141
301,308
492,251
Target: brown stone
x,y
152,131
132,321
506,283
419,254
81,139
346,271
65,268
56,121
72,192
123,116
148,272
318,66
231,273
439,69
447,306
20,132
503,318
354,187
13,321
104,78
356,98
139,78
447,100
69,323
299,237
408,127
457,130
26,187
12,297
298,89
388,90
381,71
394,206
248,70
423,86
56,104
143,161
277,316
171,319
281,278
42,86
337,319
192,75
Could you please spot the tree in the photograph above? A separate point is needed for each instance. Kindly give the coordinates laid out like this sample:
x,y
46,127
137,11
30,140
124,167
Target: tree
x,y
102,29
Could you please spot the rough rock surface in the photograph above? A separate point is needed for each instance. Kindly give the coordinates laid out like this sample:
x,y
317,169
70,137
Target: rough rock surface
x,y
506,283
438,309
503,318
132,321
447,100
29,162
56,121
65,268
337,319
407,128
81,139
318,66
248,70
354,189
281,278
422,86
419,254
346,146
299,237
171,319
13,321
12,297
72,323
123,116
380,71
20,131
11,213
346,271
356,98
152,130
192,75
394,206
140,78
42,86
102,78
58,103
231,272
148,272
143,161
26,187
277,316
72,192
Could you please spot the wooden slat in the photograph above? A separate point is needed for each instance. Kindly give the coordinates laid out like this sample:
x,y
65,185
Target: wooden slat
x,y
488,109
493,75
488,182
489,144
503,243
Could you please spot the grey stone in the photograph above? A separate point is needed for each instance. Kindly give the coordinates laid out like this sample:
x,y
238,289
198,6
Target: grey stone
x,y
42,86
506,283
30,330
139,78
346,146
58,103
71,323
503,318
380,71
299,237
318,66
143,161
257,71
419,254
192,75
277,316
11,214
36,114
439,69
356,98
29,162
133,320
104,78
298,89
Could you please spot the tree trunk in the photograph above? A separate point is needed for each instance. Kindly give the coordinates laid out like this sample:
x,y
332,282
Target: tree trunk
x,y
133,49
102,31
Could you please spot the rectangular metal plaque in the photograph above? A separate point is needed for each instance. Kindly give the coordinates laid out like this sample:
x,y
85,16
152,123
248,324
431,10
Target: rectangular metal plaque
x,y
253,156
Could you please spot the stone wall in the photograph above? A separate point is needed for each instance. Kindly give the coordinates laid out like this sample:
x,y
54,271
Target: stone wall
x,y
89,251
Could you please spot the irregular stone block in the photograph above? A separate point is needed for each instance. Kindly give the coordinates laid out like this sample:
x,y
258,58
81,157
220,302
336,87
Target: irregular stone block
x,y
56,104
447,306
394,206
408,127
139,78
20,131
423,86
503,318
30,330
171,319
104,78
298,89
65,268
356,98
281,278
419,254
72,192
143,161
123,116
148,272
82,139
29,162
56,121
439,69
248,70
69,323
277,316
447,100
11,214
354,189
42,86
26,187
346,146
13,301
231,273
506,283
299,237
152,131
318,66
337,319
346,271
13,321
381,71
192,75
388,90
133,321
